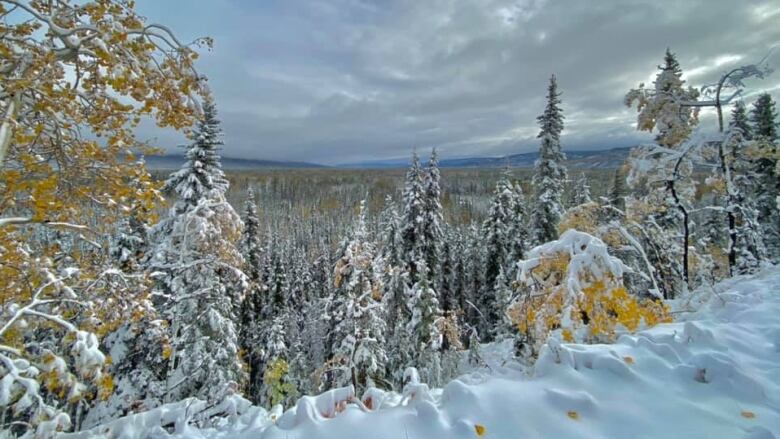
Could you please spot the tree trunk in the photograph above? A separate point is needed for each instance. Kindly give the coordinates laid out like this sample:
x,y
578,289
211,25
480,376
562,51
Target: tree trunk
x,y
686,228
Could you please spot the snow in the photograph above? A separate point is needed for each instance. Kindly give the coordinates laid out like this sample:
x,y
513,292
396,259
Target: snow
x,y
712,373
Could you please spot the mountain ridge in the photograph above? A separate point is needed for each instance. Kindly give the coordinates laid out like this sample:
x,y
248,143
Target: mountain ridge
x,y
585,159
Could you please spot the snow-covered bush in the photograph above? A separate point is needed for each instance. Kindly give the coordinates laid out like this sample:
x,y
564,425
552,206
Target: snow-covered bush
x,y
573,289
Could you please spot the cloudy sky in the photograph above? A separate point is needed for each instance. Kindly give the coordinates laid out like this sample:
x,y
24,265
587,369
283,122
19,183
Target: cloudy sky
x,y
334,81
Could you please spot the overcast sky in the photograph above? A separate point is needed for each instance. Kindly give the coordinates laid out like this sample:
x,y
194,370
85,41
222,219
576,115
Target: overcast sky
x,y
334,81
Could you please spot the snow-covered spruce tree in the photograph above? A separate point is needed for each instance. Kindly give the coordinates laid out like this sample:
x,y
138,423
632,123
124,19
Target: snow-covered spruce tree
x,y
393,295
129,245
766,191
763,116
619,190
432,216
426,337
502,288
250,245
573,290
448,301
202,175
549,171
198,269
495,230
388,233
746,244
666,107
581,191
412,219
445,279
475,278
358,332
518,228
252,251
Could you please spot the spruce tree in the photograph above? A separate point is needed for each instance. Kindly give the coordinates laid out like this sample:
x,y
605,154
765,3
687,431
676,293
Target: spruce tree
x,y
619,189
426,338
767,185
549,171
581,191
130,244
250,245
741,121
518,230
412,221
432,216
358,331
202,176
496,229
763,116
503,296
199,272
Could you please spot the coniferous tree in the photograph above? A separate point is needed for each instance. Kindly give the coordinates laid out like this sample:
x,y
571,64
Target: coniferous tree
x,y
412,221
763,116
358,333
549,171
503,298
518,230
200,272
740,120
250,323
767,185
432,216
130,244
619,189
495,230
203,175
581,191
250,245
425,335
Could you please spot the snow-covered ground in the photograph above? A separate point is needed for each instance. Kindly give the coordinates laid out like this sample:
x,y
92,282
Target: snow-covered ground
x,y
714,373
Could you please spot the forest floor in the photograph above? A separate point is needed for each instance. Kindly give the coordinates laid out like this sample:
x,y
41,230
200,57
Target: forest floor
x,y
713,373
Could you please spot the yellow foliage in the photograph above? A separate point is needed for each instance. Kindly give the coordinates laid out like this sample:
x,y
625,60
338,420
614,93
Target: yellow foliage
x,y
573,415
748,414
276,381
480,430
167,350
105,386
603,305
583,218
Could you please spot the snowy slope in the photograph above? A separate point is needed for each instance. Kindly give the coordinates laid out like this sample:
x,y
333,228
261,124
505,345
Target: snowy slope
x,y
715,373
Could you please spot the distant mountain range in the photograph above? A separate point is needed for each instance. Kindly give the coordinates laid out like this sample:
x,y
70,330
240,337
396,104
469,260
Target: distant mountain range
x,y
601,159
174,161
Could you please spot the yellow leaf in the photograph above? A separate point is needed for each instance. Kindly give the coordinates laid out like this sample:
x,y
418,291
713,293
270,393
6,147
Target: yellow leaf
x,y
628,359
480,429
573,415
748,414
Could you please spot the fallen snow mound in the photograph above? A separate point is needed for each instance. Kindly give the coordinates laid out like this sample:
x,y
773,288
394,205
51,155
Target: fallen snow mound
x,y
715,373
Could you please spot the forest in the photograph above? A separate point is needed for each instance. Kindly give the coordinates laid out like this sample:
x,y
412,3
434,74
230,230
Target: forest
x,y
215,295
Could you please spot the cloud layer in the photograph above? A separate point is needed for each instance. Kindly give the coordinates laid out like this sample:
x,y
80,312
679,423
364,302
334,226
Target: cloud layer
x,y
348,80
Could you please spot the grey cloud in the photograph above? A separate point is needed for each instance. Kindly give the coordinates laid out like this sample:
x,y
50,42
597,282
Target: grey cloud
x,y
348,80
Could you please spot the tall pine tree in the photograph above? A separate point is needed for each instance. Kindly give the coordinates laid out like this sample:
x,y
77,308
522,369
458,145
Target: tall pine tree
x,y
550,173
199,272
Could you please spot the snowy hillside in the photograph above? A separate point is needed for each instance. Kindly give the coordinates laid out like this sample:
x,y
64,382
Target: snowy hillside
x,y
712,374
